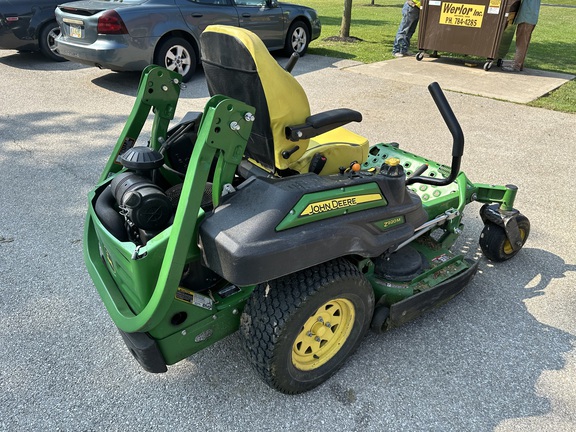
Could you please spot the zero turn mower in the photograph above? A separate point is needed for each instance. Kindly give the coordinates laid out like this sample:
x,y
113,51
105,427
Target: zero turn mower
x,y
256,215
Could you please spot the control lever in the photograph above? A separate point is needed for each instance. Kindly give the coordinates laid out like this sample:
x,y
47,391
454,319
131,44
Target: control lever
x,y
292,62
457,136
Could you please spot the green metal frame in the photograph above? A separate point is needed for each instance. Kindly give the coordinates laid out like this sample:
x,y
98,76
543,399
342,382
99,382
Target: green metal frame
x,y
159,90
224,131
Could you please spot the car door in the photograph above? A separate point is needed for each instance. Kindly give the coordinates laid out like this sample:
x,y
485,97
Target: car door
x,y
199,14
264,18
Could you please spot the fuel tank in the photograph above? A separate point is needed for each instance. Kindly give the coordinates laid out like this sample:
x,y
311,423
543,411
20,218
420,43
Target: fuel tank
x,y
271,227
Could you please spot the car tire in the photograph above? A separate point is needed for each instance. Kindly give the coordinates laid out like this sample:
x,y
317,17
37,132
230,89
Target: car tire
x,y
47,43
297,39
176,54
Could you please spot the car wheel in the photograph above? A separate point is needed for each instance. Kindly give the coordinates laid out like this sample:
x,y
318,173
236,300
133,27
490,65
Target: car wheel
x,y
297,39
176,54
47,41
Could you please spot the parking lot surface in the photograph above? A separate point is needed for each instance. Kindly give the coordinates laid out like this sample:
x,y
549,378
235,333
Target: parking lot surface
x,y
501,356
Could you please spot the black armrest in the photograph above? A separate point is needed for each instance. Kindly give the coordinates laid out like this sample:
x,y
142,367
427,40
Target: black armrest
x,y
322,122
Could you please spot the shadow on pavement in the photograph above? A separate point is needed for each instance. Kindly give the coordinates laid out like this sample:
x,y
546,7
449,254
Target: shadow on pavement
x,y
482,353
127,82
35,61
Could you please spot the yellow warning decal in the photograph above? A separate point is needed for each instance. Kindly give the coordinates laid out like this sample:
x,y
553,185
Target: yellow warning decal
x,y
194,298
109,259
338,203
494,7
464,15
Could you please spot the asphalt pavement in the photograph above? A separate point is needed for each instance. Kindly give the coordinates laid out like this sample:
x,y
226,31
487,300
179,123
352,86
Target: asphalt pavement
x,y
499,357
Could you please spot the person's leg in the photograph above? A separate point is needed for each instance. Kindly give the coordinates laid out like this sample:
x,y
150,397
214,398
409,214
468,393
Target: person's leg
x,y
414,16
402,42
523,35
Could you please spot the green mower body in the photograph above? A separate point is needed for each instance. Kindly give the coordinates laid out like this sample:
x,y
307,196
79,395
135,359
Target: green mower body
x,y
302,264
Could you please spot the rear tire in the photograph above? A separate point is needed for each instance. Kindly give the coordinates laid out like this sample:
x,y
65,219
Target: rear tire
x,y
299,329
176,54
47,43
297,39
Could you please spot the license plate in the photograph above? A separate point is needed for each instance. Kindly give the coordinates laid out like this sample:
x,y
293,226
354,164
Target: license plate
x,y
76,31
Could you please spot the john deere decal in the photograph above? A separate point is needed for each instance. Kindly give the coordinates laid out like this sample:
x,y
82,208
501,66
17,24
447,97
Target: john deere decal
x,y
338,203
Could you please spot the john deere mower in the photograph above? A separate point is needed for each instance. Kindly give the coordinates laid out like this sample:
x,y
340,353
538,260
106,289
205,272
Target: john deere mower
x,y
257,216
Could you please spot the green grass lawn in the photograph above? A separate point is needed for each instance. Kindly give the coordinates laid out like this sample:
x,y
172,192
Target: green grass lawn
x,y
553,45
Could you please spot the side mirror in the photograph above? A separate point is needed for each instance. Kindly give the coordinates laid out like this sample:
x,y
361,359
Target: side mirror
x,y
272,3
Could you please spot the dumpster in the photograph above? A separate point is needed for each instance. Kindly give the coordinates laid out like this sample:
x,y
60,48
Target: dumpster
x,y
482,28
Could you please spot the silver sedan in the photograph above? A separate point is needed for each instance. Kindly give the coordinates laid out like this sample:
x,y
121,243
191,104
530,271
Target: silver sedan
x,y
128,35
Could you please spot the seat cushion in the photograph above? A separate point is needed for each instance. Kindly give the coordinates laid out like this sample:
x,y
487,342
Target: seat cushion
x,y
340,146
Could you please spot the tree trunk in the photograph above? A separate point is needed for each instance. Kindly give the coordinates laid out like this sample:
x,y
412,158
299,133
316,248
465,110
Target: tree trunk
x,y
346,19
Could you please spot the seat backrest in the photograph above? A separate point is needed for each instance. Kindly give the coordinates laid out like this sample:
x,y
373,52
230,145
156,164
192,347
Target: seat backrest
x,y
237,64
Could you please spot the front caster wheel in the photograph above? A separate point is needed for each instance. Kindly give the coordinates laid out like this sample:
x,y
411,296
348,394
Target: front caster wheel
x,y
488,65
299,329
420,56
495,244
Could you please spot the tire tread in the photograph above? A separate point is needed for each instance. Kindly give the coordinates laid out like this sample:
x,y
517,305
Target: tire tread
x,y
272,304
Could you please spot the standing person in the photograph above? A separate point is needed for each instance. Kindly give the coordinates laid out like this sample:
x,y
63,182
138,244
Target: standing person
x,y
410,16
526,19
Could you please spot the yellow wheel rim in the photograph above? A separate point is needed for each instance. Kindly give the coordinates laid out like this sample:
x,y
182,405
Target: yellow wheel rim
x,y
323,334
508,246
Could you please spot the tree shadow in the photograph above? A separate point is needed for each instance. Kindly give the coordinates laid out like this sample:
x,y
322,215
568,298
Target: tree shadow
x,y
469,365
76,154
376,5
126,83
329,52
554,56
31,60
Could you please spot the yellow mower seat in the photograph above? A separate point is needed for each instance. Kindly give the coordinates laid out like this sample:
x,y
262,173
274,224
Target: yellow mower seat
x,y
285,137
